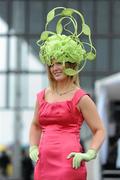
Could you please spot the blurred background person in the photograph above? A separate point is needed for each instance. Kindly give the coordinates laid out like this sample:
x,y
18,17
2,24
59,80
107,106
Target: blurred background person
x,y
5,161
26,166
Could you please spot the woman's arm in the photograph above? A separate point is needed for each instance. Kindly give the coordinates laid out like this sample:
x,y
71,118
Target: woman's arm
x,y
92,118
35,130
90,114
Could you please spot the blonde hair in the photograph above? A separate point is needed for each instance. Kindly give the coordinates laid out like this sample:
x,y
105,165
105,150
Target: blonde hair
x,y
71,79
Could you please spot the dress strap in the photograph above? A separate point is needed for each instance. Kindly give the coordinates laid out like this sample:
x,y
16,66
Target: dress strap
x,y
78,95
40,95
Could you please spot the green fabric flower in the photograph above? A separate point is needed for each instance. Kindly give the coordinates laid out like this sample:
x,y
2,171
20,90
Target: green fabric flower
x,y
66,48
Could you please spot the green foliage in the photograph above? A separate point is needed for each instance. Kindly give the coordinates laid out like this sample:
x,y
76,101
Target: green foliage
x,y
70,72
67,12
59,28
86,29
44,35
50,15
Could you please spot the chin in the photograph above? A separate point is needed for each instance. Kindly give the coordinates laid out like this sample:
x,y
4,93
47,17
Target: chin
x,y
61,78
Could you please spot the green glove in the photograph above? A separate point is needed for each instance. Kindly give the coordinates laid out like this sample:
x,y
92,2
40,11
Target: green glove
x,y
33,153
78,157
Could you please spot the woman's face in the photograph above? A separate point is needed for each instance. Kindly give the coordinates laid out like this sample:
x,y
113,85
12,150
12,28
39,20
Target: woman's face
x,y
57,71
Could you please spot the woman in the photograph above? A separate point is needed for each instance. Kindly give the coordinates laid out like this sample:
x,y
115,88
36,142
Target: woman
x,y
62,108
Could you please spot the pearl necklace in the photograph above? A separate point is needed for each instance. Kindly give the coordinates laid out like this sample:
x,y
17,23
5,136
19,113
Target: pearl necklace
x,y
61,94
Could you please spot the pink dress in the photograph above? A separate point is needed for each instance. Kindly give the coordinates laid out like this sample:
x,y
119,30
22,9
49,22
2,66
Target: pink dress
x,y
60,123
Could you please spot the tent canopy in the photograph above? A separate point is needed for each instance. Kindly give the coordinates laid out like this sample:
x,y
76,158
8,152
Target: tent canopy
x,y
111,85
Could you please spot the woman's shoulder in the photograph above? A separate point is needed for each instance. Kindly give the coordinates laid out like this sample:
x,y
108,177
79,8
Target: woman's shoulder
x,y
40,94
84,97
80,92
40,91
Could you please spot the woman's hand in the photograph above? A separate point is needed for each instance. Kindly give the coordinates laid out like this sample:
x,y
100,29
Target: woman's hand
x,y
79,157
33,153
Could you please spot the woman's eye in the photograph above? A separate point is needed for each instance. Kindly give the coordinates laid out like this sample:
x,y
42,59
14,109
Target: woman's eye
x,y
51,65
59,63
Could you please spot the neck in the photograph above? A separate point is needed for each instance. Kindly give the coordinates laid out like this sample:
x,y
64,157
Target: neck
x,y
63,86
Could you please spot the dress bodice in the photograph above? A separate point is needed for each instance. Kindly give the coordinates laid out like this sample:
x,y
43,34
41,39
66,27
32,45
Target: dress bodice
x,y
62,115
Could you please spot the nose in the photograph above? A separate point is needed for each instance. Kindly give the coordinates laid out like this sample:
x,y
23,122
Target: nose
x,y
55,66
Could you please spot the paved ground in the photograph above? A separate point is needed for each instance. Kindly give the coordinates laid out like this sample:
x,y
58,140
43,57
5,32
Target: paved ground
x,y
8,178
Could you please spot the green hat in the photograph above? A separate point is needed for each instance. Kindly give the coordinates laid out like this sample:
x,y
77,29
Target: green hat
x,y
66,48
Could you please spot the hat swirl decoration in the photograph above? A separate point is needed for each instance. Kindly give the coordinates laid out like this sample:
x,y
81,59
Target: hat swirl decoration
x,y
66,48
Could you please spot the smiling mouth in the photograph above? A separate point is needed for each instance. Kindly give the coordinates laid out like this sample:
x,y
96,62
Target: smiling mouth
x,y
57,74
